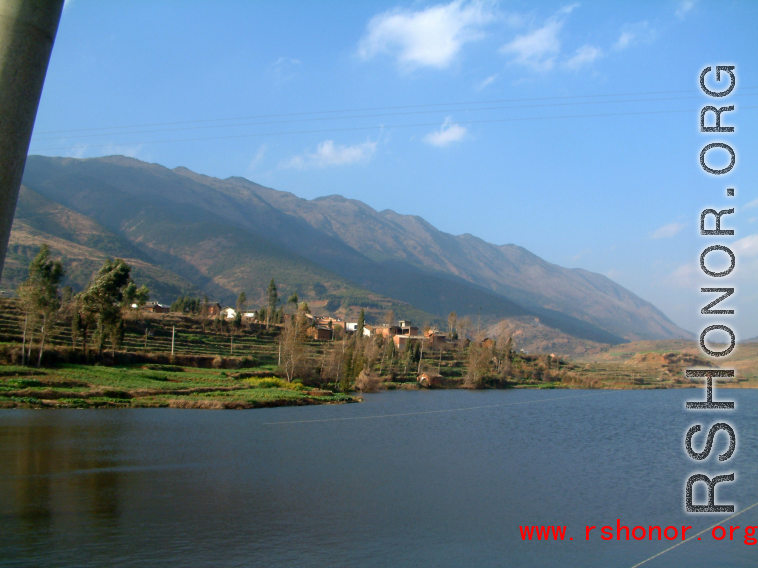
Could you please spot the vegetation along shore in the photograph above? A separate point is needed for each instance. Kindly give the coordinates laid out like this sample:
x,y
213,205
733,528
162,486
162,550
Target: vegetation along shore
x,y
108,346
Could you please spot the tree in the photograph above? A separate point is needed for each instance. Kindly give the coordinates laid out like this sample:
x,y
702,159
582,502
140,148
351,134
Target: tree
x,y
139,296
464,326
389,317
102,299
241,301
26,295
273,300
452,319
142,296
293,299
292,341
67,294
39,294
361,323
76,328
477,365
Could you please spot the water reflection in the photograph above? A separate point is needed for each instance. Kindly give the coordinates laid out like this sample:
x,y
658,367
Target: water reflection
x,y
164,487
55,474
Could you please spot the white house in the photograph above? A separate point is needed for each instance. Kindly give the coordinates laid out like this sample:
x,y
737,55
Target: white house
x,y
229,313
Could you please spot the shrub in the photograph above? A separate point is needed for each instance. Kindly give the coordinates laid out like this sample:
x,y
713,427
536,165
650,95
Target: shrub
x,y
368,381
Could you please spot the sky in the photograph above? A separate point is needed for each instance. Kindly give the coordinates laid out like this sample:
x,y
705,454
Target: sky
x,y
571,129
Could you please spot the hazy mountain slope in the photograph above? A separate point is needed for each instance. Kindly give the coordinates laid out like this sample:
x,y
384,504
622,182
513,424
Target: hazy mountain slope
x,y
138,200
82,243
508,270
399,256
181,232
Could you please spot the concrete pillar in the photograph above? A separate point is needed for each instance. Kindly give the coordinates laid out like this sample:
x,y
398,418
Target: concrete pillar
x,y
27,33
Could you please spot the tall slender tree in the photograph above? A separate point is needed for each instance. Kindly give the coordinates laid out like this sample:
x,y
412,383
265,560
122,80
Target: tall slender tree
x,y
273,300
361,324
39,293
241,301
452,319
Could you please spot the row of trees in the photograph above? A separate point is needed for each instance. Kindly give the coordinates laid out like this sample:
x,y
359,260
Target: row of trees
x,y
96,312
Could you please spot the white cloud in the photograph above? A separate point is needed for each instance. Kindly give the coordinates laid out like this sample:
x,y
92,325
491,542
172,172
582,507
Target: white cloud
x,y
285,69
258,158
67,3
287,60
328,154
752,204
430,37
585,55
484,84
686,276
625,40
447,134
539,48
85,151
614,274
747,246
667,231
632,34
581,254
684,7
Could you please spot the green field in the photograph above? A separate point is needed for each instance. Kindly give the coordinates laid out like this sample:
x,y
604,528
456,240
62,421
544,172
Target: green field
x,y
150,386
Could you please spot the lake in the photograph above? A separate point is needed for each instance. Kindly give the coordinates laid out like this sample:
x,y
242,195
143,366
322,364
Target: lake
x,y
407,478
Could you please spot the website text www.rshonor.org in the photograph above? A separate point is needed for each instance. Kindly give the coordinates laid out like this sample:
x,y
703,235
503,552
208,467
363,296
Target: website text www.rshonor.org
x,y
744,534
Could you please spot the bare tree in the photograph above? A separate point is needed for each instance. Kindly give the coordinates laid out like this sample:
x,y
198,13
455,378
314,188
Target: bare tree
x,y
477,365
452,319
389,317
464,326
292,342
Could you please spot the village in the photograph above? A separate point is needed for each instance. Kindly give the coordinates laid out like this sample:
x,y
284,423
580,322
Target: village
x,y
327,328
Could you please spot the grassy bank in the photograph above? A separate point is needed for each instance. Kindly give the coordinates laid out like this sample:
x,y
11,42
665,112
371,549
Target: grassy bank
x,y
151,386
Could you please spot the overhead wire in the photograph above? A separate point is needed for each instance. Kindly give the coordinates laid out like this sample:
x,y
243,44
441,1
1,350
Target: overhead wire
x,y
373,127
367,109
348,117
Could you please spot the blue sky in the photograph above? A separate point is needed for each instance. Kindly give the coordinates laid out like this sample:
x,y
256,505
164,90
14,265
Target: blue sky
x,y
568,128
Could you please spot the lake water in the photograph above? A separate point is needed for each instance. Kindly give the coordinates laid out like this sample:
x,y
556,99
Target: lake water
x,y
408,478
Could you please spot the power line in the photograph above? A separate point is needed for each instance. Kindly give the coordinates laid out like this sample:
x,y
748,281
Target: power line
x,y
492,101
694,536
372,116
377,127
433,411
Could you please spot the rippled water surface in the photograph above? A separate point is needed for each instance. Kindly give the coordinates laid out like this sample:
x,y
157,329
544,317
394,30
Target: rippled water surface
x,y
440,478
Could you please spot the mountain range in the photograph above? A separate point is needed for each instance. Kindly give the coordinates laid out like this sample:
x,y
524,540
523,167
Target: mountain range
x,y
187,232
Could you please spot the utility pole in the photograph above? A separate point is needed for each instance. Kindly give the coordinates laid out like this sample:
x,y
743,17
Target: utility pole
x,y
27,33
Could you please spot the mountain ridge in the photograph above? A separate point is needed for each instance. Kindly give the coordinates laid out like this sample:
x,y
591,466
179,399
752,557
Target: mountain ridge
x,y
398,256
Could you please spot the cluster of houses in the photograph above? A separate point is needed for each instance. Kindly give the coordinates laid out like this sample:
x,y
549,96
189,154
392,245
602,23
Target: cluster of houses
x,y
322,327
214,309
401,334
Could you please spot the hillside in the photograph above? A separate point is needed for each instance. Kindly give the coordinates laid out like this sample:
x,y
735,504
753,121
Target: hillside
x,y
508,270
198,227
224,260
82,244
